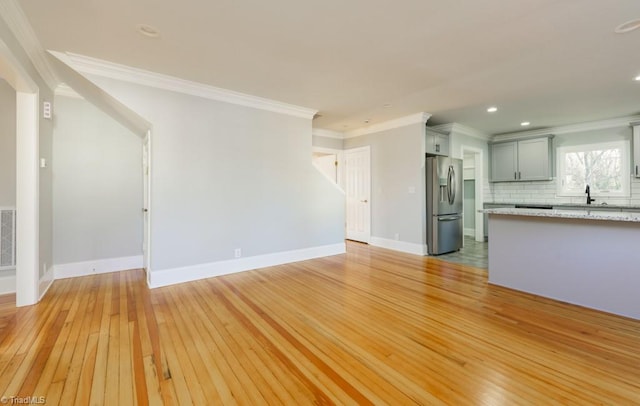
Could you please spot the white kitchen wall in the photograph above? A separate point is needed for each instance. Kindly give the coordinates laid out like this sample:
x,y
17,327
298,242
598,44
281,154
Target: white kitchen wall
x,y
97,187
227,177
7,145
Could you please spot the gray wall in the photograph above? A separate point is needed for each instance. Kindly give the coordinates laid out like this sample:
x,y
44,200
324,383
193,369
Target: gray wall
x,y
397,164
97,187
326,142
226,176
7,145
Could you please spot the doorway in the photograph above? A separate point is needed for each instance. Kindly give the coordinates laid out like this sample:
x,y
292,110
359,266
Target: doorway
x,y
357,170
473,192
28,288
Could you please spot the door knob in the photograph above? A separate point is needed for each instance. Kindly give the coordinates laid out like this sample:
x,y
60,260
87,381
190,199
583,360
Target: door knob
x,y
364,201
145,210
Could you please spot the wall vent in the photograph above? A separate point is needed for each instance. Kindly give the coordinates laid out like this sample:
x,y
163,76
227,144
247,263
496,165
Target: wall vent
x,y
7,238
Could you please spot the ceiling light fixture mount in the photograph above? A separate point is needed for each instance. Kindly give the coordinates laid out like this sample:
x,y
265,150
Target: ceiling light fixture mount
x,y
148,31
627,26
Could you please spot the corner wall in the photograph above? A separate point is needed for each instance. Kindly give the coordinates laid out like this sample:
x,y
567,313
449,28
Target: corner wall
x,y
97,189
397,186
227,177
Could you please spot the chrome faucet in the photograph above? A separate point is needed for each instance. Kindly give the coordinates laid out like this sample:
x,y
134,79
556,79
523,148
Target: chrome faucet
x,y
588,192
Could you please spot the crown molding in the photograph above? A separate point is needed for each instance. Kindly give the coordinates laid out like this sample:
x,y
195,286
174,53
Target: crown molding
x,y
321,132
64,90
98,67
419,118
21,28
572,128
456,128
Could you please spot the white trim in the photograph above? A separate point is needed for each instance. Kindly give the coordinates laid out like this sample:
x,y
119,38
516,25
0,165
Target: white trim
x,y
45,282
455,128
402,246
321,132
27,198
572,128
97,266
21,28
419,118
7,284
65,90
172,276
98,67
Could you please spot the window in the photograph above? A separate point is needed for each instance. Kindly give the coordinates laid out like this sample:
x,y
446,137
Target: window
x,y
603,166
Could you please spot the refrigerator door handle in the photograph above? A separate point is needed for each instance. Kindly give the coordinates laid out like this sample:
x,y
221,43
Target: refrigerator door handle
x,y
451,185
450,218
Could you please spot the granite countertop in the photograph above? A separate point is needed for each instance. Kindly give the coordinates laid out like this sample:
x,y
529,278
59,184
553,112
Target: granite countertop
x,y
569,214
585,205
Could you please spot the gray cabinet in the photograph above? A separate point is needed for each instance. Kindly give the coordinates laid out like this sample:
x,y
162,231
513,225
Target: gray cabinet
x,y
437,143
504,161
636,149
521,160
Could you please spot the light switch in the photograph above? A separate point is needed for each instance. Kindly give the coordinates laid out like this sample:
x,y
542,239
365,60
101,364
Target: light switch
x,y
43,163
46,109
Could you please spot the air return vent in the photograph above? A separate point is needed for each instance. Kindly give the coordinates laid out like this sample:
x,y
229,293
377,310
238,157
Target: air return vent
x,y
7,238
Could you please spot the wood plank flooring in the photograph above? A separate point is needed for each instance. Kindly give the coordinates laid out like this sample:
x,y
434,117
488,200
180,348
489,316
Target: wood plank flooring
x,y
369,327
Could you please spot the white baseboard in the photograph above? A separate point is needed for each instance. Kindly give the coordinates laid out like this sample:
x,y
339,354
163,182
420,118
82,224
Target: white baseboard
x,y
45,282
403,246
471,232
172,276
98,266
7,284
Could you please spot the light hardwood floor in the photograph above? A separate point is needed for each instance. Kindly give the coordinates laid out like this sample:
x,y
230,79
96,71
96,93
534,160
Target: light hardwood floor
x,y
369,327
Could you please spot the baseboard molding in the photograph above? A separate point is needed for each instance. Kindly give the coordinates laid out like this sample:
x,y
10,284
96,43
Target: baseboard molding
x,y
172,276
45,282
98,266
7,284
402,246
471,232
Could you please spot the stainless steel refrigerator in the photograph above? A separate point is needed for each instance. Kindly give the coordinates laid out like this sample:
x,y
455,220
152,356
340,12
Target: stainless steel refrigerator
x,y
444,205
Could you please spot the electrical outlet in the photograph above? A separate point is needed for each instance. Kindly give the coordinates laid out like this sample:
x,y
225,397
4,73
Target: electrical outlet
x,y
397,237
237,252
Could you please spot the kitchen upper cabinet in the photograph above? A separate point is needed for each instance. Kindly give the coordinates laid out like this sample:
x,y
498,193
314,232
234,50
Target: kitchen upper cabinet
x,y
504,161
437,143
521,160
636,149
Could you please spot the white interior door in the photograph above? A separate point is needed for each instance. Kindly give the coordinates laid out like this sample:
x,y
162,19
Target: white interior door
x,y
145,203
358,194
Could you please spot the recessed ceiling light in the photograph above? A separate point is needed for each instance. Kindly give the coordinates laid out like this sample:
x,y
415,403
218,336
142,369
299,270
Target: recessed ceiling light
x,y
387,105
525,123
637,78
148,31
628,26
492,109
367,121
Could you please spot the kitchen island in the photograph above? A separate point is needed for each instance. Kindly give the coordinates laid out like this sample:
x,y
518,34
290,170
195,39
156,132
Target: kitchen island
x,y
589,258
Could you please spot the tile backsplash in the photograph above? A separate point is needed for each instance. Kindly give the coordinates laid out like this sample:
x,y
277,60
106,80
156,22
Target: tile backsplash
x,y
545,192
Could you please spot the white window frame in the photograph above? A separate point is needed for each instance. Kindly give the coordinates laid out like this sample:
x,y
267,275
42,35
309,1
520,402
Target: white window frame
x,y
623,145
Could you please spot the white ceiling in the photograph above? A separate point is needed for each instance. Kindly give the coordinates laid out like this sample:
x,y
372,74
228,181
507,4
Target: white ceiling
x,y
550,62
